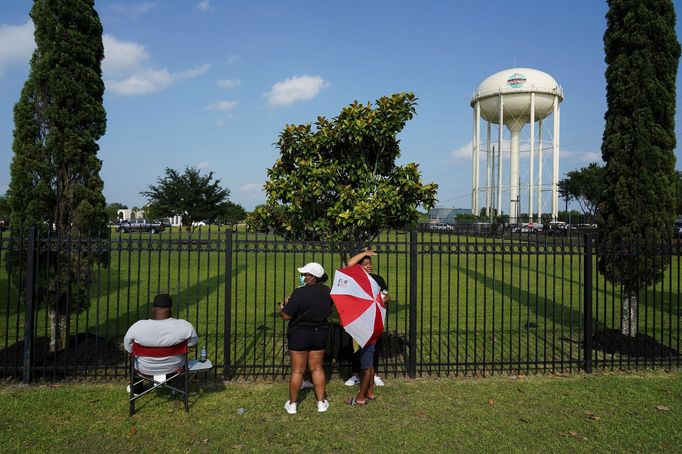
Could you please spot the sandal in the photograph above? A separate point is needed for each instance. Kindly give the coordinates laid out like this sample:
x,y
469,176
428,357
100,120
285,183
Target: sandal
x,y
353,401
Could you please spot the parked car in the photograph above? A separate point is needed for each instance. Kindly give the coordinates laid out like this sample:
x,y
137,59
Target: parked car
x,y
528,227
139,225
678,229
558,228
4,225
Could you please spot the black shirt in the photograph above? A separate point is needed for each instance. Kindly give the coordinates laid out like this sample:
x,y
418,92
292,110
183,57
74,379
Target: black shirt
x,y
309,307
380,281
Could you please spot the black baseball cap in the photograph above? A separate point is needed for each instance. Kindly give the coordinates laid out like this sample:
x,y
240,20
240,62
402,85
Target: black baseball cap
x,y
163,300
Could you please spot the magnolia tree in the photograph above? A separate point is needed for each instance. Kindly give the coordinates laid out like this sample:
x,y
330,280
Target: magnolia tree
x,y
339,180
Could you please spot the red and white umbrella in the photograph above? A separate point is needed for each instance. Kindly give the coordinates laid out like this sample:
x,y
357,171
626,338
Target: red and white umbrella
x,y
358,300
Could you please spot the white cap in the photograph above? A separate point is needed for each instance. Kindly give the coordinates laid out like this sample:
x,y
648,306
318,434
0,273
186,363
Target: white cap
x,y
312,268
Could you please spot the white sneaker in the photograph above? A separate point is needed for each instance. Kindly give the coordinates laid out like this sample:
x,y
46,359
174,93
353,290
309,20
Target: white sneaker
x,y
290,408
322,405
354,380
128,390
378,381
307,384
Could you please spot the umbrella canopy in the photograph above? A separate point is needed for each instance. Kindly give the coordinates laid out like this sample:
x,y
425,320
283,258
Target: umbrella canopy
x,y
358,300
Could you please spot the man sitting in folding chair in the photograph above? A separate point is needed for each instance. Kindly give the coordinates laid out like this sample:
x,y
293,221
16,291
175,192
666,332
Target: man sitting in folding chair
x,y
158,348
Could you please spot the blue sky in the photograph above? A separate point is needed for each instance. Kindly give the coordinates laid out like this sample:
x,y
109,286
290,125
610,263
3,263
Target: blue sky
x,y
212,83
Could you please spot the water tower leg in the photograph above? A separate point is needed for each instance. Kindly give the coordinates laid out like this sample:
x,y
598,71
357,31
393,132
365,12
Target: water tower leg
x,y
540,170
475,161
531,177
488,174
514,199
555,161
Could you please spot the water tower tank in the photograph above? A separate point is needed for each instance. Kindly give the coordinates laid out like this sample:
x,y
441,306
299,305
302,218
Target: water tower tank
x,y
516,85
514,98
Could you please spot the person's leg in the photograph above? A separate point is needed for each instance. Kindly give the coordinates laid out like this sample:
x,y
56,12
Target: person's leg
x,y
366,386
367,377
315,361
298,363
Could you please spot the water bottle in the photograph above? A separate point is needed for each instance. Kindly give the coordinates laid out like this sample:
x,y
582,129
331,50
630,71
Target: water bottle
x,y
203,354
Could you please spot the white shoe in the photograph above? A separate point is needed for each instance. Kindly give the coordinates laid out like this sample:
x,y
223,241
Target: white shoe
x,y
128,389
322,405
354,380
307,384
290,408
378,381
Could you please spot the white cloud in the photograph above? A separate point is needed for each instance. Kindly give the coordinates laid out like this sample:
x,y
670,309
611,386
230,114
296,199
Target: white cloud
x,y
251,188
228,83
133,9
463,152
122,56
203,165
16,44
205,5
295,89
232,59
222,105
220,123
192,73
585,156
151,80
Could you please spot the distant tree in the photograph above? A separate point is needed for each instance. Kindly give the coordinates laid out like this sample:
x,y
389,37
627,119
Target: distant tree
x,y
193,196
5,210
678,210
638,205
232,214
112,210
585,186
55,183
339,180
466,218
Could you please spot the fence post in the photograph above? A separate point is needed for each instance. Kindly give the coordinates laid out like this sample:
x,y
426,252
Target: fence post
x,y
412,362
29,294
587,299
227,322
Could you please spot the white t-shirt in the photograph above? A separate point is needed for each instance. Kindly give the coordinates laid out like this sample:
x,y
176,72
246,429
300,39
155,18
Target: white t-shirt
x,y
160,333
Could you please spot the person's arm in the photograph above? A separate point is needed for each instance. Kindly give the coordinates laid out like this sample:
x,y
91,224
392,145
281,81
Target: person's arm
x,y
283,315
359,256
193,338
288,314
128,341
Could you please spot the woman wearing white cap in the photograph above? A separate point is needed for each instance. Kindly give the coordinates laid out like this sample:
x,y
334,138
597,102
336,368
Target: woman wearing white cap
x,y
307,310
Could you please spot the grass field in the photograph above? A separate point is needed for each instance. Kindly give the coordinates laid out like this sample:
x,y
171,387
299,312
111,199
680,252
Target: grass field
x,y
507,302
599,413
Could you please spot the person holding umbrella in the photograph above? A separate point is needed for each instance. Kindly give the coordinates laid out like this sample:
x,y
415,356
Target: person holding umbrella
x,y
359,300
364,259
307,310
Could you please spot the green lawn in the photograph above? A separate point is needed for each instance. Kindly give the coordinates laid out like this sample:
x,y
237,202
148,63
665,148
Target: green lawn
x,y
601,413
508,302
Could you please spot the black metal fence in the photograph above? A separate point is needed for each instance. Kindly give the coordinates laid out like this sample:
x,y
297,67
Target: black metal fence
x,y
460,303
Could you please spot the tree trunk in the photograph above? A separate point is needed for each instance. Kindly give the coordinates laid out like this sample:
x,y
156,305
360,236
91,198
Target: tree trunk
x,y
629,315
58,330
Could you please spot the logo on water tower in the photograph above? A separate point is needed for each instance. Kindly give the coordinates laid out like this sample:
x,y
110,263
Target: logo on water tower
x,y
516,80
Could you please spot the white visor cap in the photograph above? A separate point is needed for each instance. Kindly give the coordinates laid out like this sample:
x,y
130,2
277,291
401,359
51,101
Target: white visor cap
x,y
312,268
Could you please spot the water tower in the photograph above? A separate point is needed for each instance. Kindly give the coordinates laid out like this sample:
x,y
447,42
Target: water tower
x,y
516,98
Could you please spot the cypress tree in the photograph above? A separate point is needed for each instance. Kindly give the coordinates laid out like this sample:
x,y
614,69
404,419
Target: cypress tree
x,y
637,209
55,183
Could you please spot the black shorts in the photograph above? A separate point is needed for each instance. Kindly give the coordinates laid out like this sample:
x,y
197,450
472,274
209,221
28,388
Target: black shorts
x,y
307,339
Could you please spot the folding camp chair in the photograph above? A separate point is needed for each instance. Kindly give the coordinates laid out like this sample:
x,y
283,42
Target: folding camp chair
x,y
137,378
